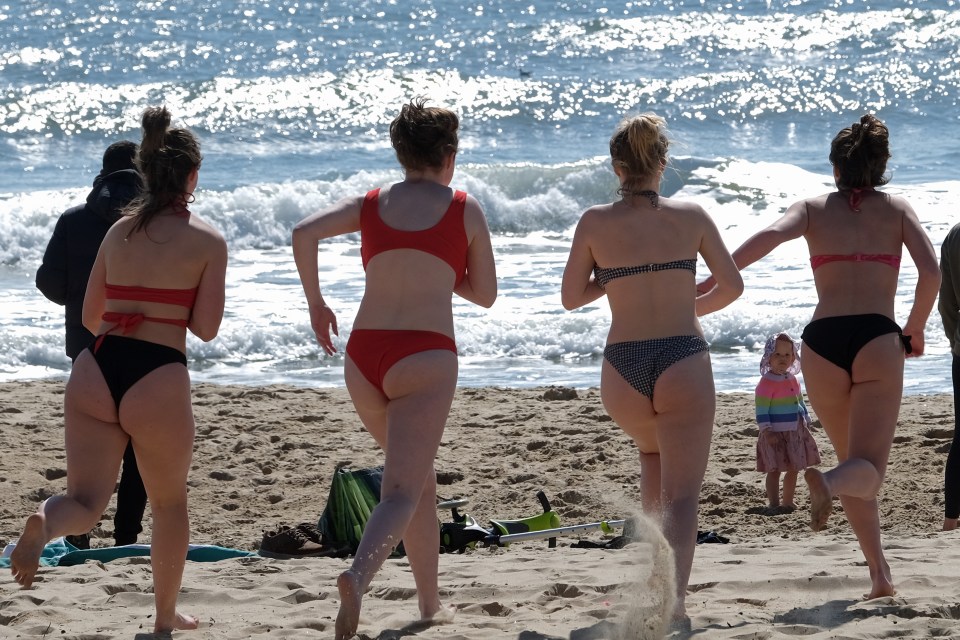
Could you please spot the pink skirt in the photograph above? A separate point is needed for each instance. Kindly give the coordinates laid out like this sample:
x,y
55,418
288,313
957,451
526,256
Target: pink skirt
x,y
787,450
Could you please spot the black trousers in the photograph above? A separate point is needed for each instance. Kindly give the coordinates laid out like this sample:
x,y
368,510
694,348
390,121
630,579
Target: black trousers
x,y
131,501
951,476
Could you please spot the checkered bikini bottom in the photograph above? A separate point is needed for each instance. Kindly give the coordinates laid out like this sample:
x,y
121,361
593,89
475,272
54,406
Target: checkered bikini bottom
x,y
642,362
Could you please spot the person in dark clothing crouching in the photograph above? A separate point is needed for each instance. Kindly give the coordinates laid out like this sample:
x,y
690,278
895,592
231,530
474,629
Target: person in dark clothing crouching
x,y
62,278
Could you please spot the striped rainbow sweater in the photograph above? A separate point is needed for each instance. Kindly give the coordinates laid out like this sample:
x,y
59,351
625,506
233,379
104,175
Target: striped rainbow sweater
x,y
779,402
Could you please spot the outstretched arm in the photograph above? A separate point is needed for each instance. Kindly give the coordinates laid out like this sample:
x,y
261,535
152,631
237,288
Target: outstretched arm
x,y
343,217
792,225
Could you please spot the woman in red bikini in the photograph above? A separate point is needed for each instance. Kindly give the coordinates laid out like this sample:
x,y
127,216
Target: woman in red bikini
x,y
421,242
853,350
160,271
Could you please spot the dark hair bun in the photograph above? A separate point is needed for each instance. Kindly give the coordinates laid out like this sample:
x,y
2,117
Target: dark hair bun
x,y
860,153
155,122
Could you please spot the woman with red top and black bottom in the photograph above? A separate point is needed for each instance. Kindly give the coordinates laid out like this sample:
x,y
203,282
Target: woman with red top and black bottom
x,y
160,271
421,242
853,350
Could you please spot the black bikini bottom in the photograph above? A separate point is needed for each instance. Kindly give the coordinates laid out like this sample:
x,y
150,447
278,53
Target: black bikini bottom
x,y
125,361
840,338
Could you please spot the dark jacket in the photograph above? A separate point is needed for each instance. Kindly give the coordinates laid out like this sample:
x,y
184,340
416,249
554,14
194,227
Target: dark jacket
x,y
71,252
949,303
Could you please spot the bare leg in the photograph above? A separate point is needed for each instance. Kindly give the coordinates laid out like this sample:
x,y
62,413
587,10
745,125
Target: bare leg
x,y
94,446
864,519
680,430
408,425
351,596
421,541
789,489
773,489
157,414
650,485
859,414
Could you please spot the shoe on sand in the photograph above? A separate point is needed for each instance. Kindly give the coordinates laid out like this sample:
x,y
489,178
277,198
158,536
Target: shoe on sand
x,y
288,542
310,531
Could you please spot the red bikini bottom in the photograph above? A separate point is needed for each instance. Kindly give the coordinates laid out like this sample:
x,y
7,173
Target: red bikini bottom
x,y
374,351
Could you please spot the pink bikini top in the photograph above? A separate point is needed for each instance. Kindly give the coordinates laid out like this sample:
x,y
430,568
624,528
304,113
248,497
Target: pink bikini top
x,y
446,240
854,199
127,322
885,258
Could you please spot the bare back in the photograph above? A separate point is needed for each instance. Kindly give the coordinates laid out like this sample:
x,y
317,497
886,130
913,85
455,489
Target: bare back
x,y
656,304
173,252
409,288
847,287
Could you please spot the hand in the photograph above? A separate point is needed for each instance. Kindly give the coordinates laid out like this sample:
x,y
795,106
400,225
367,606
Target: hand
x,y
915,339
323,320
706,286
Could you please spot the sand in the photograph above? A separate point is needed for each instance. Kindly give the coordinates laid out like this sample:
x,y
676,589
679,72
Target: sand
x,y
264,456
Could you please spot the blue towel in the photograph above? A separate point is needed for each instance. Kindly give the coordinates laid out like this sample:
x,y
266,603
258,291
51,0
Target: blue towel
x,y
51,555
61,553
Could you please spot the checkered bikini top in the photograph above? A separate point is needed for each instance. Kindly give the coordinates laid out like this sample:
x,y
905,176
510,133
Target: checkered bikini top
x,y
603,275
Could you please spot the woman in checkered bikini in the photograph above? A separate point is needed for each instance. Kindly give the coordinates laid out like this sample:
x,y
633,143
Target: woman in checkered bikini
x,y
656,381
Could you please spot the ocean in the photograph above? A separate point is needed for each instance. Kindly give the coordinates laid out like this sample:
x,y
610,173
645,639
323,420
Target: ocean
x,y
292,99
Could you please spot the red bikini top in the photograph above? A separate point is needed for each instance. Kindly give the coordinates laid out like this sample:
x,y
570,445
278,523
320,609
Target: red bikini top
x,y
179,297
446,240
127,322
885,258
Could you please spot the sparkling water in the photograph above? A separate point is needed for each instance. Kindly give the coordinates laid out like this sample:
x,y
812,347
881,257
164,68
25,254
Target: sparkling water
x,y
291,101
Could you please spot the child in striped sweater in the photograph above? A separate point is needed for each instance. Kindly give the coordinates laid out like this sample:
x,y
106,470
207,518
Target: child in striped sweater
x,y
785,444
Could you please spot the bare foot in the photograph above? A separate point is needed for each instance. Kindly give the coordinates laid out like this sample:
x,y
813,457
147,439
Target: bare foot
x,y
25,558
881,589
429,607
821,500
882,583
350,598
180,622
443,615
949,524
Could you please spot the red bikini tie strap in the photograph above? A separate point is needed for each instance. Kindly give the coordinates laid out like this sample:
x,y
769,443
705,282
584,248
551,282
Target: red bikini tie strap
x,y
126,322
